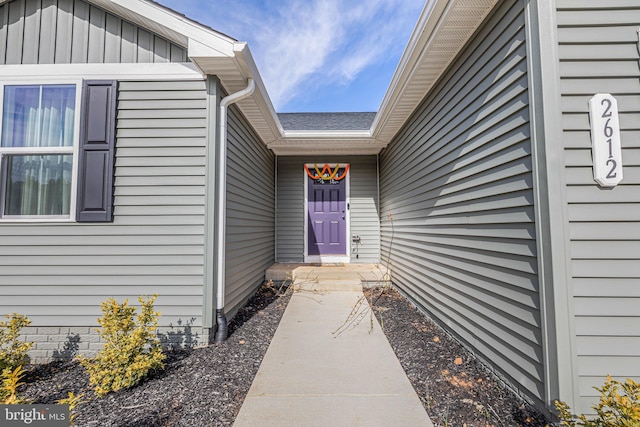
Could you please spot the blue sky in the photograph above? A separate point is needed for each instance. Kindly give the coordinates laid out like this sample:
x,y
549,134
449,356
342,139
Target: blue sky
x,y
316,55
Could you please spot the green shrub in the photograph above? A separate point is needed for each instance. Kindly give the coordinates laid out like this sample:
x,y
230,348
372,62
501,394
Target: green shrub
x,y
619,406
13,351
131,348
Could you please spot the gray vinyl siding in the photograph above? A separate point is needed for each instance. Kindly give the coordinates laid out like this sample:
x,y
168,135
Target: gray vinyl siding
x,y
250,211
364,207
457,181
73,31
58,273
599,54
289,209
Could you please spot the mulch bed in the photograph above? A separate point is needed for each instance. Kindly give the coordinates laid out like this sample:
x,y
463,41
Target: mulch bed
x,y
454,387
199,387
206,386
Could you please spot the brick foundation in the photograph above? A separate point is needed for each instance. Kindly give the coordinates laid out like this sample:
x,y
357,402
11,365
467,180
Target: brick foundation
x,y
65,343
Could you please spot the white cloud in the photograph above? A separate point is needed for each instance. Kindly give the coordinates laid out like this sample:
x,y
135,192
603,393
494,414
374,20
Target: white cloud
x,y
295,44
306,44
387,27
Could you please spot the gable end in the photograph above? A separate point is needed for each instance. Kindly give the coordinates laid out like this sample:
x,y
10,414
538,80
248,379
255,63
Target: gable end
x,y
74,31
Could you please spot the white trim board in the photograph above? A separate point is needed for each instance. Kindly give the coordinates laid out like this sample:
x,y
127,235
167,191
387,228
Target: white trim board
x,y
57,72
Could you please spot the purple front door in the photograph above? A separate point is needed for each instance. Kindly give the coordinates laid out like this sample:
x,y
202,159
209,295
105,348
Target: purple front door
x,y
327,219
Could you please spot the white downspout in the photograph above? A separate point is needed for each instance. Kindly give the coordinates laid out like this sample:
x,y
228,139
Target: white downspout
x,y
221,319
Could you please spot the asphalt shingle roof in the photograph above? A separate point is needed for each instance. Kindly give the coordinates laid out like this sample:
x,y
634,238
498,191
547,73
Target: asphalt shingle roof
x,y
326,121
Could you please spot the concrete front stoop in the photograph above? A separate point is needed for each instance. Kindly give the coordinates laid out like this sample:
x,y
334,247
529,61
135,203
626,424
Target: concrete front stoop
x,y
367,274
330,364
328,285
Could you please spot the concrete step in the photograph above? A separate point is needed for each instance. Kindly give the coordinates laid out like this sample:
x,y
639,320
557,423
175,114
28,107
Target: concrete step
x,y
327,285
369,274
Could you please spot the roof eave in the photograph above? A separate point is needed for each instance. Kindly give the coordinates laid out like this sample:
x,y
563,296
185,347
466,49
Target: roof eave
x,y
325,146
325,143
233,71
270,127
442,31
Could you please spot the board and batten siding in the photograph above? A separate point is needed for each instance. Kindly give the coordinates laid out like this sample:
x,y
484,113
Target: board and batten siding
x,y
57,274
250,239
364,206
598,51
457,181
74,31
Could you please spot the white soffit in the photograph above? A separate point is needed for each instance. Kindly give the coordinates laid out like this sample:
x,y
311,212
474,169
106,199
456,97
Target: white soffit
x,y
325,142
258,108
325,146
443,29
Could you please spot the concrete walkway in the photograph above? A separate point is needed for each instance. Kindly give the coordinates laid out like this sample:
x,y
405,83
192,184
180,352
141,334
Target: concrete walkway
x,y
321,371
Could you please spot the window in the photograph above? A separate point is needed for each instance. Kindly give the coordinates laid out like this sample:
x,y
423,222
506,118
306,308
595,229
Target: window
x,y
57,151
37,142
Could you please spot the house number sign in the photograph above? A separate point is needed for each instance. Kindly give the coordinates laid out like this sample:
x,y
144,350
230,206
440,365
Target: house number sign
x,y
605,140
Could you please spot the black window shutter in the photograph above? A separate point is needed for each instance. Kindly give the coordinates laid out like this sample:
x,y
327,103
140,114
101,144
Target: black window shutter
x,y
97,151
